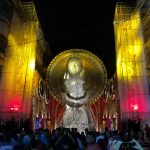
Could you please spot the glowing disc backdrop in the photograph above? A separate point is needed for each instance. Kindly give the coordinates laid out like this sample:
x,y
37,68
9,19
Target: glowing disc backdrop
x,y
95,74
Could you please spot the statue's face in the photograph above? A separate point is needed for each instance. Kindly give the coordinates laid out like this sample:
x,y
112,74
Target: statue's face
x,y
74,66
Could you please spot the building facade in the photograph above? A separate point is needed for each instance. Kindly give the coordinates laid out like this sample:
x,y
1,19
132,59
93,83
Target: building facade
x,y
130,41
21,57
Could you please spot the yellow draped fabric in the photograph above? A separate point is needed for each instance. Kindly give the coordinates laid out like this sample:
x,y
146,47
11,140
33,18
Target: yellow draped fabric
x,y
131,73
18,69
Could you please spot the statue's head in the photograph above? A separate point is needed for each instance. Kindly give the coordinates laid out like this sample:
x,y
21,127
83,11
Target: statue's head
x,y
74,65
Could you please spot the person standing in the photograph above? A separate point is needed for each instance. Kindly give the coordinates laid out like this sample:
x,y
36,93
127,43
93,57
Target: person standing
x,y
91,142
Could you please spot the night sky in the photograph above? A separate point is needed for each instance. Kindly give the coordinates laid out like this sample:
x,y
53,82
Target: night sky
x,y
79,24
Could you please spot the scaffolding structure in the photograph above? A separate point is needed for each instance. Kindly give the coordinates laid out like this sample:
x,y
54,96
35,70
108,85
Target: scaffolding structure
x,y
131,73
19,65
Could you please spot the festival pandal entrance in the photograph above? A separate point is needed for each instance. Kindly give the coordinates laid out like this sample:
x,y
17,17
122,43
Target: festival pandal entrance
x,y
76,78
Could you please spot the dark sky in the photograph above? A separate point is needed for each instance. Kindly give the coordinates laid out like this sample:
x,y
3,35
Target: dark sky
x,y
79,24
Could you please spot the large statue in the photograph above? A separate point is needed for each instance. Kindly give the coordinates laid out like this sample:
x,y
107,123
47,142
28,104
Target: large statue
x,y
83,76
76,114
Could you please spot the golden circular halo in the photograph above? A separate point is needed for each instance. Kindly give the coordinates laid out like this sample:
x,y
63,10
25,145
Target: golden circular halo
x,y
95,74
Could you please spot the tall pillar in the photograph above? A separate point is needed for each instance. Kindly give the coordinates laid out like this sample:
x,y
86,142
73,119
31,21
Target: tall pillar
x,y
131,73
18,69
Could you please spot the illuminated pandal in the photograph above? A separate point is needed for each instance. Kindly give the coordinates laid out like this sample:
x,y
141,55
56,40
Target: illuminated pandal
x,y
18,69
132,80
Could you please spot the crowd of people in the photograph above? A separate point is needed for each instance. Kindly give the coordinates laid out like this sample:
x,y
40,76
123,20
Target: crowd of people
x,y
61,138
